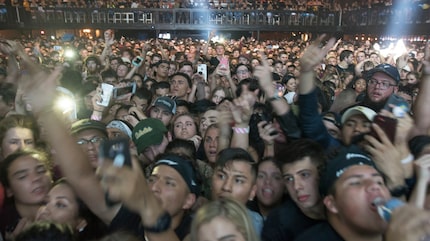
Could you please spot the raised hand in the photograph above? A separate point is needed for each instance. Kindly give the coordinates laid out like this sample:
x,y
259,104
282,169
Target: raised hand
x,y
314,53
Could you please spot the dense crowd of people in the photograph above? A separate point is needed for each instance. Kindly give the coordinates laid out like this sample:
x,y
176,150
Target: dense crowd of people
x,y
205,140
213,4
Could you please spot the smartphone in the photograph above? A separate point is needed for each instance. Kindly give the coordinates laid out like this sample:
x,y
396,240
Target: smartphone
x,y
117,151
119,92
397,105
387,124
57,48
137,61
223,63
203,70
263,116
107,91
65,103
281,89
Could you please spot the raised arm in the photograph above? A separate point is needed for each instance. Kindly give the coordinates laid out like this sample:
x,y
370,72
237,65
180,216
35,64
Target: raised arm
x,y
421,110
39,93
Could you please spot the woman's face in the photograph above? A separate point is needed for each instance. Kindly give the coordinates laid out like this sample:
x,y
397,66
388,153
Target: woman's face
x,y
412,79
218,229
122,71
60,206
218,96
121,114
291,85
184,127
360,85
29,180
270,186
211,144
17,138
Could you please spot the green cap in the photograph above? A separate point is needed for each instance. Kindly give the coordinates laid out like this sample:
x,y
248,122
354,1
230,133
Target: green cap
x,y
148,132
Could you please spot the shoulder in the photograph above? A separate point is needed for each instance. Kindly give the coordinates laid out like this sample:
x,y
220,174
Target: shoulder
x,y
320,232
286,223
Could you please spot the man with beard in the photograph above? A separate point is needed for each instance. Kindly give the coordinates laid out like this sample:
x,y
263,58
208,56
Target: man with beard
x,y
382,82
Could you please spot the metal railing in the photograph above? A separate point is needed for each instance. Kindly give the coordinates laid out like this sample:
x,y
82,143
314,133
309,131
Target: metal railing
x,y
187,19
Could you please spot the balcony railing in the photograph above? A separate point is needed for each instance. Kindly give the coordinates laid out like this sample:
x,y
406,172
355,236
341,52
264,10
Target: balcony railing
x,y
165,18
206,19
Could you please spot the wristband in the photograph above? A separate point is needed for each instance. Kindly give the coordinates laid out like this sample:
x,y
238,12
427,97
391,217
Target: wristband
x,y
96,117
241,130
408,159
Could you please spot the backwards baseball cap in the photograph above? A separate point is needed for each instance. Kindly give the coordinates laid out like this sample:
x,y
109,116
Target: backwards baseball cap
x,y
148,132
184,168
369,113
387,69
165,103
120,125
88,124
350,156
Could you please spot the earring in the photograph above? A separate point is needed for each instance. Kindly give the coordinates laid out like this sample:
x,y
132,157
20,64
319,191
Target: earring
x,y
81,229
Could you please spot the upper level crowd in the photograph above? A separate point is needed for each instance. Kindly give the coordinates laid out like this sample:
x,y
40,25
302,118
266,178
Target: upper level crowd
x,y
299,5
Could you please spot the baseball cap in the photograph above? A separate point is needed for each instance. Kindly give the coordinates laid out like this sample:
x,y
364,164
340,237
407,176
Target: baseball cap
x,y
120,125
126,60
369,113
165,103
387,69
87,124
184,168
148,132
350,156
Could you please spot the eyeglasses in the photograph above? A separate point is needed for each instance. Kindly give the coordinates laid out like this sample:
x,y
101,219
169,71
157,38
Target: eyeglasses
x,y
382,85
94,140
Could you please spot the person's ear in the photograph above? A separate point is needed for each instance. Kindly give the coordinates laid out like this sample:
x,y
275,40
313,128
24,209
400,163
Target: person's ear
x,y
169,136
189,201
9,193
253,192
330,204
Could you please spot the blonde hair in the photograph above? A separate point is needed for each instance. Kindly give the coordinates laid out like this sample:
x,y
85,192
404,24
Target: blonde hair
x,y
228,209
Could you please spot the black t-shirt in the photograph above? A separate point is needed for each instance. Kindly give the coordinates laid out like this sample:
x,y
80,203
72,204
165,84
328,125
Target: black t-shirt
x,y
320,232
286,223
351,69
130,221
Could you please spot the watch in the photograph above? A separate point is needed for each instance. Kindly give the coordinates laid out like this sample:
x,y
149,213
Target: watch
x,y
162,224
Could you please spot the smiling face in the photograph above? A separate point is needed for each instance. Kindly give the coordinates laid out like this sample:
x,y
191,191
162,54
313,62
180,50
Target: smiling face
x,y
360,85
